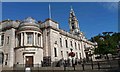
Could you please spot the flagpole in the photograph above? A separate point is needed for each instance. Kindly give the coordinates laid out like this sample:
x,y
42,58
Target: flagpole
x,y
49,11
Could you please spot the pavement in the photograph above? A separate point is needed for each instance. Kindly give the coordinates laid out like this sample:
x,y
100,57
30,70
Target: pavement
x,y
0,68
61,69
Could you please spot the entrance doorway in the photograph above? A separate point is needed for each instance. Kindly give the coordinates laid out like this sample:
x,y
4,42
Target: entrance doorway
x,y
29,61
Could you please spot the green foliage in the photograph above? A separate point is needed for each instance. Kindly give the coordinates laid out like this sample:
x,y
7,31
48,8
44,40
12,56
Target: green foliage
x,y
107,43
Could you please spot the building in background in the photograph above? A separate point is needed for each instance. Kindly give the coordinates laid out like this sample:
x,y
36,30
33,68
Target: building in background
x,y
29,42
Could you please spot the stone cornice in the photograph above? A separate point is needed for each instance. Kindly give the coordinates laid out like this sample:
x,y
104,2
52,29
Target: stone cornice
x,y
27,47
69,35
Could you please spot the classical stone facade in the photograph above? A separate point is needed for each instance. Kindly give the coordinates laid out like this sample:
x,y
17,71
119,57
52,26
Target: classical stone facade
x,y
29,42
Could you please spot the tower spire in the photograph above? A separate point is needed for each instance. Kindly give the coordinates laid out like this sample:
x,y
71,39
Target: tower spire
x,y
49,11
72,13
73,22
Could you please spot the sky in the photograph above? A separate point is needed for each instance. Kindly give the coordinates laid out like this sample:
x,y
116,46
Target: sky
x,y
0,11
93,17
60,0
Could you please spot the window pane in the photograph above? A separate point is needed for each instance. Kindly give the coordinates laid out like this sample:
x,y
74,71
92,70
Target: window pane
x,y
60,42
75,46
29,38
2,40
66,43
55,52
8,40
71,43
38,39
19,39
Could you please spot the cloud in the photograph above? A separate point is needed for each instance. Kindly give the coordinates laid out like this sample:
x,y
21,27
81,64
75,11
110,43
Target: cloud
x,y
111,6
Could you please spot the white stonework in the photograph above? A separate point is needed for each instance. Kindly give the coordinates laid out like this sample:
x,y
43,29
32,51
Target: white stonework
x,y
28,42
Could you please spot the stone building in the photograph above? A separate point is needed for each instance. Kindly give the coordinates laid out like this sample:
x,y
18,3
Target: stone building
x,y
29,42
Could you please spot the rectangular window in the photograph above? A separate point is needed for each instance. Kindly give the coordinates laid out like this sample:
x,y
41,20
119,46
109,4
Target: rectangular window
x,y
55,52
80,55
6,56
2,40
76,55
67,53
8,40
23,38
73,27
75,46
71,43
29,38
79,46
19,39
38,39
60,42
66,43
62,53
85,46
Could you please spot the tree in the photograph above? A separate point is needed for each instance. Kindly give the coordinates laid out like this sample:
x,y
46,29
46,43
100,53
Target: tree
x,y
107,43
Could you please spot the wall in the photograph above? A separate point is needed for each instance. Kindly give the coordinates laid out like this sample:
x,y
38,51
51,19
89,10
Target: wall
x,y
21,53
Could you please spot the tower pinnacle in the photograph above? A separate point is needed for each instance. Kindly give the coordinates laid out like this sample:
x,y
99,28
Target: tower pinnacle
x,y
73,22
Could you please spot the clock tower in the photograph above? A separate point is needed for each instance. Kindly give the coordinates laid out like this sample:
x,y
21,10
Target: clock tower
x,y
73,23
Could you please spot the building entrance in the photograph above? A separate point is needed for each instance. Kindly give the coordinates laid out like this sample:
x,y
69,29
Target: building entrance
x,y
29,61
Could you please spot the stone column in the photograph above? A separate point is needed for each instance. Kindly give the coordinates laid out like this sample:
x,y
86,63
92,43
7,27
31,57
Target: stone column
x,y
11,48
38,39
16,41
21,39
81,45
83,52
34,38
41,43
0,39
25,38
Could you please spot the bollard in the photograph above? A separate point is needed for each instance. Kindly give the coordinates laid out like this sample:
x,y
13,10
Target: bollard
x,y
83,66
98,65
